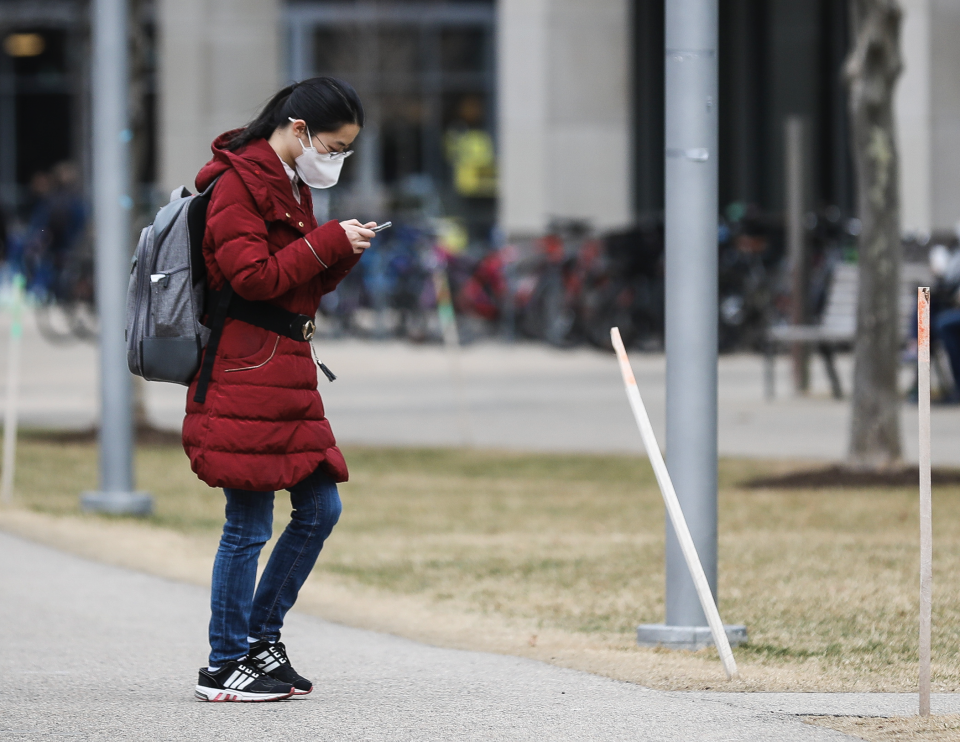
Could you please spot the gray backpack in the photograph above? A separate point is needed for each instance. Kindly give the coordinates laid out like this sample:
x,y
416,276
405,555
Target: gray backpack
x,y
167,292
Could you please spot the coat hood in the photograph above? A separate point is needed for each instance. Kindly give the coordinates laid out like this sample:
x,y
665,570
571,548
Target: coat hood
x,y
261,171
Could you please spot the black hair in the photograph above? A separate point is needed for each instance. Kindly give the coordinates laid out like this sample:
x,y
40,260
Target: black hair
x,y
325,103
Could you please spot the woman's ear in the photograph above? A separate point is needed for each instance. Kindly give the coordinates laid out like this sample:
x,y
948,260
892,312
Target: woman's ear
x,y
299,127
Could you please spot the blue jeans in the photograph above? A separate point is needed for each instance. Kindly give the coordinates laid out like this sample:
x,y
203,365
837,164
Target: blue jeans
x,y
946,329
238,613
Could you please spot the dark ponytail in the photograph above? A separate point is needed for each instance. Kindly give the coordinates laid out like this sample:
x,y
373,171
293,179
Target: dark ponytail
x,y
325,103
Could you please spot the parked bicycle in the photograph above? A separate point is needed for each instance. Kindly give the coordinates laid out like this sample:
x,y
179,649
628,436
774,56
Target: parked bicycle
x,y
571,285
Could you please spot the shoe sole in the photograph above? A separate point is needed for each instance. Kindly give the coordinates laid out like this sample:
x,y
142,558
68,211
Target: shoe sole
x,y
303,692
215,695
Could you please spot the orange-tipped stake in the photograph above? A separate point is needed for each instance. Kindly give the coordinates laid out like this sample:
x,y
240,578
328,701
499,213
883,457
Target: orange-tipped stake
x,y
673,509
926,505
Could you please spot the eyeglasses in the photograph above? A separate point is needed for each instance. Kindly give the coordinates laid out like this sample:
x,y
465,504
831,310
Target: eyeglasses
x,y
335,155
331,154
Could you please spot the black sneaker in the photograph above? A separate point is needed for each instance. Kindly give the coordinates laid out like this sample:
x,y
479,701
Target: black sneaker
x,y
271,658
240,680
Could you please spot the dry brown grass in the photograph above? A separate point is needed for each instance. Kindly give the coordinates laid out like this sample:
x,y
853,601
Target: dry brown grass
x,y
558,557
931,728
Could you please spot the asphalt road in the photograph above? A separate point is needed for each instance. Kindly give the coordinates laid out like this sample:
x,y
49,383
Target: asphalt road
x,y
93,652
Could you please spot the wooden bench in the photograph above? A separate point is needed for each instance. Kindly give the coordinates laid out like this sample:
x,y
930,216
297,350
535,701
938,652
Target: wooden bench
x,y
837,328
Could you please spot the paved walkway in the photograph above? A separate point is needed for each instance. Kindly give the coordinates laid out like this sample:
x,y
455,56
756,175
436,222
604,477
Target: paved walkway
x,y
523,396
93,652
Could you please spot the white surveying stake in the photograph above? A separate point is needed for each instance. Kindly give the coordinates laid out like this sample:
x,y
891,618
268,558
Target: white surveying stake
x,y
926,506
673,508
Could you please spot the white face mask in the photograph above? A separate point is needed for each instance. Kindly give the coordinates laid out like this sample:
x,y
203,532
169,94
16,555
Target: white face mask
x,y
319,169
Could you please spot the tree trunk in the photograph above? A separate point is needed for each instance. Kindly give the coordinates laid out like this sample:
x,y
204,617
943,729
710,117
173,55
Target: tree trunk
x,y
871,71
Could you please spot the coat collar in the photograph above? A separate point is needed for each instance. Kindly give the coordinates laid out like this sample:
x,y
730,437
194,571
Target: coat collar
x,y
262,173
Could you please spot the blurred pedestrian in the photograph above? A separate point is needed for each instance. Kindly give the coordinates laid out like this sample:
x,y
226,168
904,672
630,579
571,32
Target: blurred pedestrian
x,y
57,223
945,311
66,224
34,251
470,151
261,426
473,162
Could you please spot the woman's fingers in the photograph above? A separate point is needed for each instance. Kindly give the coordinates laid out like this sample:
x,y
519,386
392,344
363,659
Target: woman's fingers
x,y
358,240
358,234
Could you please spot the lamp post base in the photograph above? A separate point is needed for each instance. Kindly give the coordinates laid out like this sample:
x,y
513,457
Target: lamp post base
x,y
117,503
686,637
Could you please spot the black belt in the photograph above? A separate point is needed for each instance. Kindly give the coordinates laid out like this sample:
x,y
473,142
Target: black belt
x,y
227,303
267,316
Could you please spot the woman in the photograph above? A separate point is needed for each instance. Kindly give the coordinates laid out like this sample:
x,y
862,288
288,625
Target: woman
x,y
260,426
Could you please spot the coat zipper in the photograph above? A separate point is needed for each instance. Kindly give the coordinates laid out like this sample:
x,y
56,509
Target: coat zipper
x,y
141,268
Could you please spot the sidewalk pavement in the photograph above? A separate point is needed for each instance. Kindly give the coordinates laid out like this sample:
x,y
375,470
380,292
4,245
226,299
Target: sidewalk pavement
x,y
100,653
523,396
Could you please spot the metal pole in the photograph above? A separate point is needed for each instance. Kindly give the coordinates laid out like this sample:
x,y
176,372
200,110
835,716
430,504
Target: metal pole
x,y
795,192
8,135
13,389
926,519
112,204
691,293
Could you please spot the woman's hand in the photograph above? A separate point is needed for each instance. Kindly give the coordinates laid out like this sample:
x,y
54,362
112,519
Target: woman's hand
x,y
358,234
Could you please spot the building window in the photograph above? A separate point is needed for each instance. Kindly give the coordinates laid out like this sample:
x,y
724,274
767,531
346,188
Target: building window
x,y
425,73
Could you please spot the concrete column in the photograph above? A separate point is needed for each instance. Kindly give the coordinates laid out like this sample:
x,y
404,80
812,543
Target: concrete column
x,y
522,108
928,116
564,113
913,118
944,94
220,60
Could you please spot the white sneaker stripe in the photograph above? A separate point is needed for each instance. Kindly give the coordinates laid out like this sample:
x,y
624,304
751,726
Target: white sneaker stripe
x,y
269,659
244,679
232,678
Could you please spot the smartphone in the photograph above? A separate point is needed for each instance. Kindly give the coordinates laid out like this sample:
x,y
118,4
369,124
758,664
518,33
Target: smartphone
x,y
381,227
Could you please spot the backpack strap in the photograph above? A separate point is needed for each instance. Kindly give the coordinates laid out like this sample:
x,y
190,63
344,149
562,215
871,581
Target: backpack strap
x,y
216,330
208,191
219,314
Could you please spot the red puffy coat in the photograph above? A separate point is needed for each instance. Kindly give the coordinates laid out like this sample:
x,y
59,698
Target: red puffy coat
x,y
262,425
